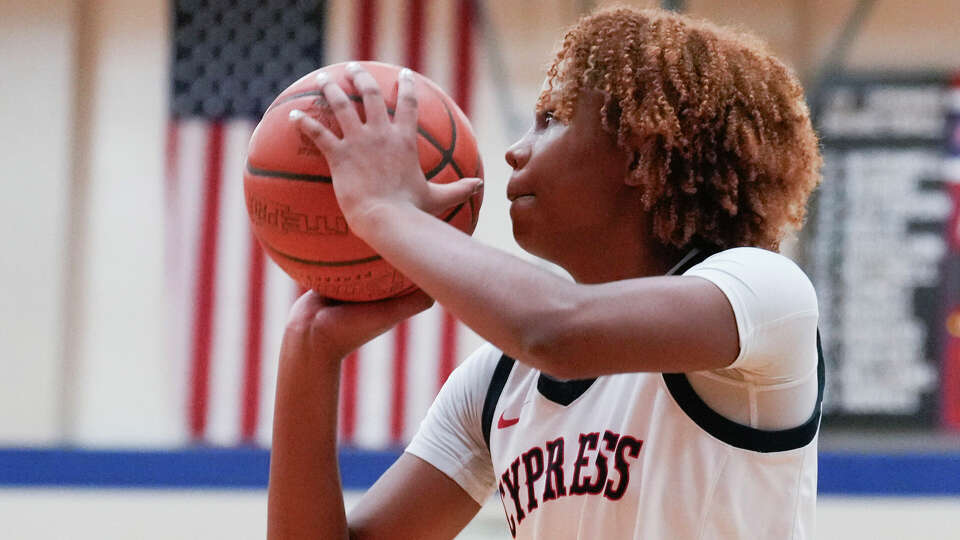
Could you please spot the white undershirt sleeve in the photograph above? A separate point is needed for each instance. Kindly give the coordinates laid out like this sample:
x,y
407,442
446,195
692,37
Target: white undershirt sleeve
x,y
772,384
450,437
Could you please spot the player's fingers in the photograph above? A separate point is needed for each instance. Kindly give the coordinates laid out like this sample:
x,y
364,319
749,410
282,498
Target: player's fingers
x,y
373,104
406,113
443,196
341,105
316,131
398,309
369,319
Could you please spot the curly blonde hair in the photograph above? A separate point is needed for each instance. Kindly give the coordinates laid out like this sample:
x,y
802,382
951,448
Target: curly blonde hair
x,y
718,129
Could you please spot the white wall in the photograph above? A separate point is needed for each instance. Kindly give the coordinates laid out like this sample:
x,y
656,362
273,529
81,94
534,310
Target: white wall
x,y
125,386
36,63
81,307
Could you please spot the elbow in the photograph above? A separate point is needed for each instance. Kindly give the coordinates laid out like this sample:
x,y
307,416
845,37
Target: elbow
x,y
539,350
550,344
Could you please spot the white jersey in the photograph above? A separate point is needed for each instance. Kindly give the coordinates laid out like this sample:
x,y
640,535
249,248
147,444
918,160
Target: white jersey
x,y
643,455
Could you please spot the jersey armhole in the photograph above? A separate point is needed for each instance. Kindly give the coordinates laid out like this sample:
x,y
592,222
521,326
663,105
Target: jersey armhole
x,y
739,435
500,375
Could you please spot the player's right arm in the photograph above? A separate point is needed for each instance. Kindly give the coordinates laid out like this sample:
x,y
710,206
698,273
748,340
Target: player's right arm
x,y
412,499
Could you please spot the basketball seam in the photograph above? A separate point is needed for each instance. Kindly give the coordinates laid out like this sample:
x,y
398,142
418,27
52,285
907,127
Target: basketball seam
x,y
350,262
446,154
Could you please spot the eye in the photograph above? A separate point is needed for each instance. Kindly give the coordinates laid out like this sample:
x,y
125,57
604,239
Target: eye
x,y
544,119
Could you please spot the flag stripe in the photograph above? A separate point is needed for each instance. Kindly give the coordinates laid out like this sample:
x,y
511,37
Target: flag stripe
x,y
279,292
348,397
463,57
251,379
398,405
366,41
414,56
207,254
231,285
366,25
416,35
448,348
183,261
462,93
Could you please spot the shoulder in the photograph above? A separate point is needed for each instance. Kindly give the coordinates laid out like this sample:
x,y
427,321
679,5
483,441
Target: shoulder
x,y
775,307
478,367
468,383
459,405
766,279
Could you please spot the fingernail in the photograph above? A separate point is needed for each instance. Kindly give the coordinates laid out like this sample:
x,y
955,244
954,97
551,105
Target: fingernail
x,y
478,188
353,66
322,79
406,73
296,114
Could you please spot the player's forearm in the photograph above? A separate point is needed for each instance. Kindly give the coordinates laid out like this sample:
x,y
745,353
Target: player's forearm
x,y
304,496
508,301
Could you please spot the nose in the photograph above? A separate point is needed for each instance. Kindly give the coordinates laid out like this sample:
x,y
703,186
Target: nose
x,y
518,154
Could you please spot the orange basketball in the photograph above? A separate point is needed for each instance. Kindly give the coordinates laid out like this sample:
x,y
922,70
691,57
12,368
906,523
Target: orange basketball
x,y
290,197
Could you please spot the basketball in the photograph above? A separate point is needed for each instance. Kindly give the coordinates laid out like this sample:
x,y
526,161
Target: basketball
x,y
290,198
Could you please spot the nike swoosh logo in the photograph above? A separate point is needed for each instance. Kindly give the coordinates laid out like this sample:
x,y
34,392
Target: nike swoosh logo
x,y
505,423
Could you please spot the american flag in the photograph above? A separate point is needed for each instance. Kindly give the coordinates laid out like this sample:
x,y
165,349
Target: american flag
x,y
227,303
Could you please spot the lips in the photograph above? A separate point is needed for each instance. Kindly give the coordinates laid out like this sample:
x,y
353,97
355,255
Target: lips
x,y
516,190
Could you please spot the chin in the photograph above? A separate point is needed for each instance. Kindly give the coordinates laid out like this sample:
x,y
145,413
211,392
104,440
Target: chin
x,y
527,239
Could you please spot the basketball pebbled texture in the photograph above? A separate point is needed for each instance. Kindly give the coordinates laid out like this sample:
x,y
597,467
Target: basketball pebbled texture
x,y
289,194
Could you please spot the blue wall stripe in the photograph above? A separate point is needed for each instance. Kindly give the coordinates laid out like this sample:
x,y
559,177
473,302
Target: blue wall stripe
x,y
195,468
915,474
929,474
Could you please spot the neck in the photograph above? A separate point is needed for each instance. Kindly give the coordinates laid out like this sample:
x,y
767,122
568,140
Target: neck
x,y
617,259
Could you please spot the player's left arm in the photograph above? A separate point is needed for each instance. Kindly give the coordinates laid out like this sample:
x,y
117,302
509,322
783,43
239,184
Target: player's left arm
x,y
570,330
669,324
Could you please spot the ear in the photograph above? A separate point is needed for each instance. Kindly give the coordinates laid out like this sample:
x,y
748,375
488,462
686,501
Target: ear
x,y
643,158
633,163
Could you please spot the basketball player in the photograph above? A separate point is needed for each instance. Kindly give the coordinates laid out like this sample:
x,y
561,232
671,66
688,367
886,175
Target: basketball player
x,y
672,391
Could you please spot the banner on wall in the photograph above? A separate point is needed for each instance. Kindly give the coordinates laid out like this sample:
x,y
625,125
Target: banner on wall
x,y
876,245
227,303
950,369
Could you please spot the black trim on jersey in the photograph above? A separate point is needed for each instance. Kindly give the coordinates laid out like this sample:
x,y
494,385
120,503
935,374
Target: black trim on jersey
x,y
497,382
566,392
562,392
739,435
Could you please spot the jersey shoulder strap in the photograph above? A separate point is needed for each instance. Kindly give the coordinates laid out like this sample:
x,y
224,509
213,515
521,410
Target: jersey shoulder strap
x,y
739,435
497,382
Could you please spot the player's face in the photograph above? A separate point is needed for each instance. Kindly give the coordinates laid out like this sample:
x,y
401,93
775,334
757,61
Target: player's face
x,y
567,189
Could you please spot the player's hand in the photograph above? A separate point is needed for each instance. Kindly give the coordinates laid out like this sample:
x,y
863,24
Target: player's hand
x,y
323,329
376,162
